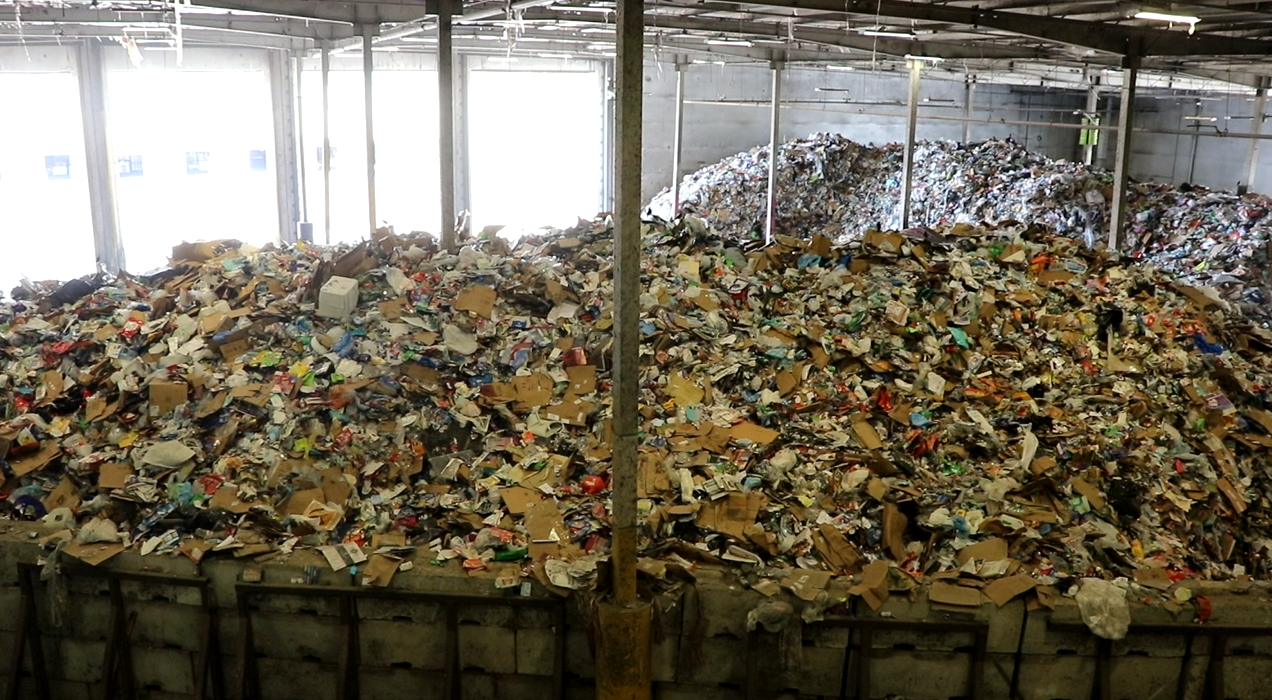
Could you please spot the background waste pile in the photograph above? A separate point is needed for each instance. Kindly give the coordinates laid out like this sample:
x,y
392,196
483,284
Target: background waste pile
x,y
830,185
978,409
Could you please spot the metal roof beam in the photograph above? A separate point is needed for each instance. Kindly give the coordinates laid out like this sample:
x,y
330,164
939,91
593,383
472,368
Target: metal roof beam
x,y
890,47
358,12
1116,39
196,37
42,15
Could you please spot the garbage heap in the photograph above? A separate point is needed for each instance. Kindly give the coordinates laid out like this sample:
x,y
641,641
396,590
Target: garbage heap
x,y
980,408
831,185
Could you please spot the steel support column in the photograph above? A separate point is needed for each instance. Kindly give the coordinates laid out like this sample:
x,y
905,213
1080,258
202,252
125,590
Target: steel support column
x,y
446,121
911,123
770,216
677,140
969,97
282,82
298,60
1121,166
1091,113
368,73
326,144
1252,156
98,160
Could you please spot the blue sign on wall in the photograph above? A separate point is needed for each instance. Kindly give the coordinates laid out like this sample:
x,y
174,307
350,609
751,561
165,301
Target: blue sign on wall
x,y
198,162
256,161
58,167
128,166
318,153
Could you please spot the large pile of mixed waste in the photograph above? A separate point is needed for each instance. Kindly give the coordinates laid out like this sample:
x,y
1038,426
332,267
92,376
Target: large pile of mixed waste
x,y
830,185
998,408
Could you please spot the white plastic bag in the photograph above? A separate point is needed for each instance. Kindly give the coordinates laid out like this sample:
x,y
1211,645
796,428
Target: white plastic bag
x,y
1104,608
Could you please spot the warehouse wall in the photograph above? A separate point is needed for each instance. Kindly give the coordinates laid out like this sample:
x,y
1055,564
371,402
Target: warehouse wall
x,y
715,131
1220,162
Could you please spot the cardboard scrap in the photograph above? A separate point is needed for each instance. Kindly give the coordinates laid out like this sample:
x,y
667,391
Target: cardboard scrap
x,y
518,499
867,434
48,452
953,594
478,299
873,585
756,434
730,515
379,570
94,554
65,495
113,475
1003,590
835,549
167,395
806,584
894,524
582,379
992,549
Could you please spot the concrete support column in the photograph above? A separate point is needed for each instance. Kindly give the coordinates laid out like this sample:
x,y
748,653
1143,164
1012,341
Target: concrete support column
x,y
911,124
446,121
677,139
98,158
326,143
969,97
282,84
629,67
1091,114
368,73
1260,113
623,670
770,218
1122,164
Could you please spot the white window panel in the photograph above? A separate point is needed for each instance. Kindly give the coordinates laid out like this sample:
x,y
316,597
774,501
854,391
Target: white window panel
x,y
46,226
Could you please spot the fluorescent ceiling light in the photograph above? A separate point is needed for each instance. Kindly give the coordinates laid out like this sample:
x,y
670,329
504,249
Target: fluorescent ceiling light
x,y
1165,17
925,59
729,42
831,66
549,54
1173,19
582,8
889,33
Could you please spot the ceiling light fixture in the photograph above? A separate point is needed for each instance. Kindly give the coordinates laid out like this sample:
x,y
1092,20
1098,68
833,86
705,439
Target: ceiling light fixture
x,y
1173,19
832,66
925,59
888,33
729,42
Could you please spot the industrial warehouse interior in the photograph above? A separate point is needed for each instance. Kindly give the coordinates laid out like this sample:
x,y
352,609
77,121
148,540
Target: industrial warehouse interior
x,y
634,350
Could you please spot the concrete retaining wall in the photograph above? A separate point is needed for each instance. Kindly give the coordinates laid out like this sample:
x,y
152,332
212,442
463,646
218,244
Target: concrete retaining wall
x,y
507,653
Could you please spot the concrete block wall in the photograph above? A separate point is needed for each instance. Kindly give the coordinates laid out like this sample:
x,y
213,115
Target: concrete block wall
x,y
703,650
